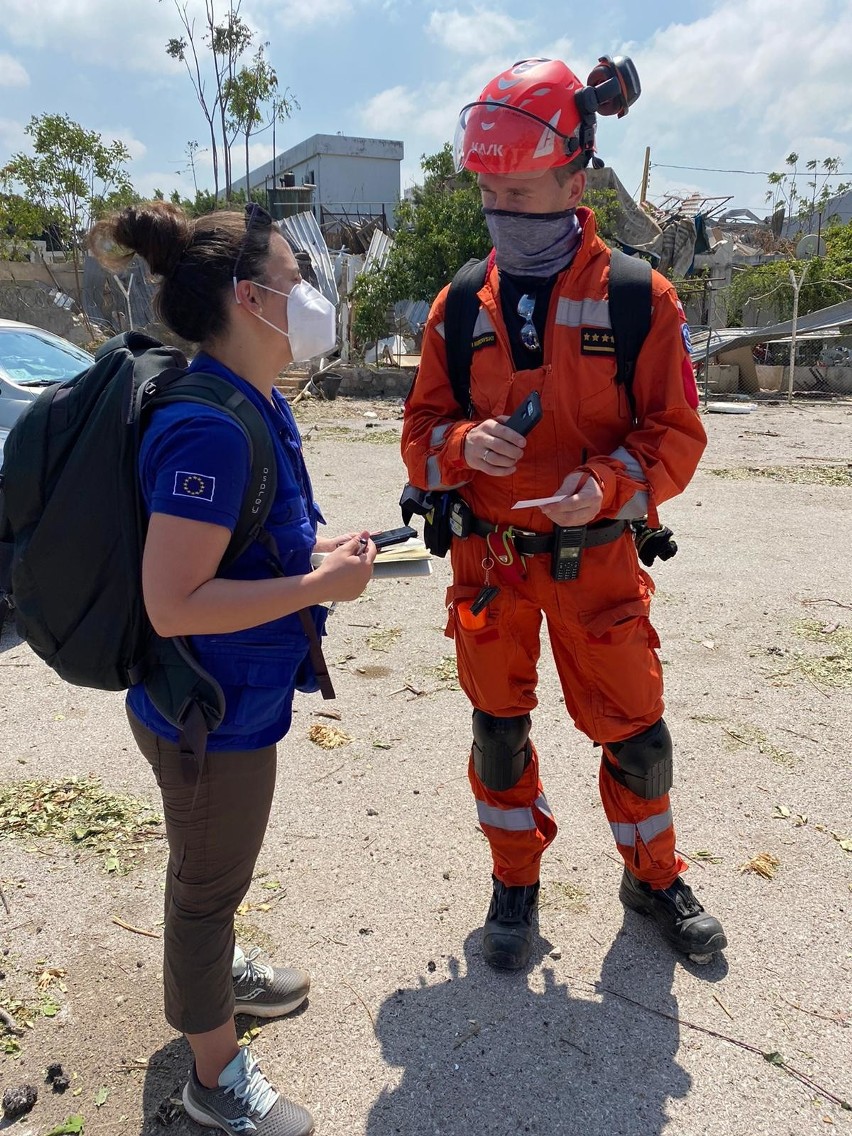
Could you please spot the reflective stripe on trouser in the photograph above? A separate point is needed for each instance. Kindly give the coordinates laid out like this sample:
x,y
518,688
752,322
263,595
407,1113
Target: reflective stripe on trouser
x,y
518,824
643,831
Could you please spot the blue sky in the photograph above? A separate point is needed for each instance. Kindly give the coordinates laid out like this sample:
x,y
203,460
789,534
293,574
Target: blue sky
x,y
727,84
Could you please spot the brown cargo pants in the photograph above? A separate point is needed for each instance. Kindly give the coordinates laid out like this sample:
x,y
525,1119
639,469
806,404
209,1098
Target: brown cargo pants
x,y
213,846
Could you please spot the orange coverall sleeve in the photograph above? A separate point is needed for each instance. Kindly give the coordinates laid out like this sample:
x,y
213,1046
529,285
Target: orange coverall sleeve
x,y
668,439
434,427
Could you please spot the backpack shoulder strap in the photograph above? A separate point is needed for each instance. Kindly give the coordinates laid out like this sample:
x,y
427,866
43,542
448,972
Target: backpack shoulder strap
x,y
629,315
212,390
460,314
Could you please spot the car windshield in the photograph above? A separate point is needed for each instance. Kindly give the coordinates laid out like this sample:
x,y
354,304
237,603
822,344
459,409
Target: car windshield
x,y
31,358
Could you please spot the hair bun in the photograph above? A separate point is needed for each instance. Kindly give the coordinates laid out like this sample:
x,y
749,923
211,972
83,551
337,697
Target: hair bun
x,y
158,231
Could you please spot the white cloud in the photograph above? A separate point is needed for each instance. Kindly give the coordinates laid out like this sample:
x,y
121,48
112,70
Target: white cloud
x,y
742,87
298,15
101,33
12,136
137,149
12,73
390,111
479,32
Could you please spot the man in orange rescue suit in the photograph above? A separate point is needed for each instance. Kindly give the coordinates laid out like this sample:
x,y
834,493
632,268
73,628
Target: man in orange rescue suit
x,y
544,327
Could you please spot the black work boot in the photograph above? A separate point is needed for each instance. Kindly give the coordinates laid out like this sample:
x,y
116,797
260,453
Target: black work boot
x,y
682,920
507,939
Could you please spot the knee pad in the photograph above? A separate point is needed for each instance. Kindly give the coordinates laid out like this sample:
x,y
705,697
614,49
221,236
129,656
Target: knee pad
x,y
644,762
501,749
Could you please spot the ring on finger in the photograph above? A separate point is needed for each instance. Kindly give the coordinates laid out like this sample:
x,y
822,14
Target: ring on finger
x,y
485,456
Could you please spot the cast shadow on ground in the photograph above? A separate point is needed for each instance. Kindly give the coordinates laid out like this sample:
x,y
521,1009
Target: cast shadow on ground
x,y
483,1053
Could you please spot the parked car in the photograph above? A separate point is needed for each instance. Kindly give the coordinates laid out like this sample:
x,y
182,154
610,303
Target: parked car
x,y
30,360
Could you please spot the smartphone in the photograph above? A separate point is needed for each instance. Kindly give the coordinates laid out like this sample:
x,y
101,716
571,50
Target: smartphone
x,y
392,536
526,416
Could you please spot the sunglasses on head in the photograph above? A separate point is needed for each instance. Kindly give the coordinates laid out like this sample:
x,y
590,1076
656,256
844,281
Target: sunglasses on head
x,y
255,217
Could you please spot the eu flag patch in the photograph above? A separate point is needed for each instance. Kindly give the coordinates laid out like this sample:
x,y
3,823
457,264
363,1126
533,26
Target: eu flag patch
x,y
596,341
200,486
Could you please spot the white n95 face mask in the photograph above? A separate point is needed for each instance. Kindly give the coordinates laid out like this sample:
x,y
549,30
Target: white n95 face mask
x,y
311,320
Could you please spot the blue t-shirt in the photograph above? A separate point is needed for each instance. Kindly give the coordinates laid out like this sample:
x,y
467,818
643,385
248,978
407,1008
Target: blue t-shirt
x,y
194,462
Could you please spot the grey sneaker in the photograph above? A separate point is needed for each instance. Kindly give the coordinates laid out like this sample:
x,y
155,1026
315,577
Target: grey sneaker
x,y
245,1103
267,991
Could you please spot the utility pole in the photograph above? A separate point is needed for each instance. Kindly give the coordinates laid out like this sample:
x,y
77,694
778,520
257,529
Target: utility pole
x,y
643,193
797,284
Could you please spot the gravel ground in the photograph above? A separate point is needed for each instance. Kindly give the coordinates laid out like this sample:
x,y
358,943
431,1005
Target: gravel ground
x,y
375,876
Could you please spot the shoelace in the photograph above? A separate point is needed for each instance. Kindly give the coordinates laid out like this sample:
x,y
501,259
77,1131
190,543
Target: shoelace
x,y
254,971
512,903
683,897
253,1090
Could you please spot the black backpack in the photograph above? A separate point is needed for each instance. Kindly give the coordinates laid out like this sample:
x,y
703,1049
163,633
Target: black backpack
x,y
630,318
72,527
629,314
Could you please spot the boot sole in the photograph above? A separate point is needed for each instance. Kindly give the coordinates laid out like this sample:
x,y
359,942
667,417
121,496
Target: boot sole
x,y
278,1010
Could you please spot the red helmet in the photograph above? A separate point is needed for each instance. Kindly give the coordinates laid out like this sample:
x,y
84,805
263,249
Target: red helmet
x,y
538,115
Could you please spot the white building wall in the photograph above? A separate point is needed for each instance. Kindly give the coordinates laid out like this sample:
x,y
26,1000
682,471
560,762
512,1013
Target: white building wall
x,y
351,174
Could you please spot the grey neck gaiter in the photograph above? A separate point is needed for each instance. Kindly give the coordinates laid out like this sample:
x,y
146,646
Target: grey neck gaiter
x,y
533,244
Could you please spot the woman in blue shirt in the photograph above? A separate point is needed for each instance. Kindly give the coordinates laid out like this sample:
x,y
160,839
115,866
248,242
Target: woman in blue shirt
x,y
231,284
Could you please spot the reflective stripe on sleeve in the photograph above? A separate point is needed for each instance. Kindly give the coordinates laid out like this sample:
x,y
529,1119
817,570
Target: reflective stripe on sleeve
x,y
438,435
439,327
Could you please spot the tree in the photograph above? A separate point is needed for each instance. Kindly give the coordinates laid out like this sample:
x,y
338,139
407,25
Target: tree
x,y
21,223
829,280
73,175
250,90
438,230
211,57
784,189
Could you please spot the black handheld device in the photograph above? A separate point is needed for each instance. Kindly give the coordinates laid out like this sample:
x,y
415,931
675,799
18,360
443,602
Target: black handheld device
x,y
567,550
526,416
392,536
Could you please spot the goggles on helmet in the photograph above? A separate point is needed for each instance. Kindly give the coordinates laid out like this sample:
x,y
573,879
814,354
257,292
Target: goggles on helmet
x,y
497,139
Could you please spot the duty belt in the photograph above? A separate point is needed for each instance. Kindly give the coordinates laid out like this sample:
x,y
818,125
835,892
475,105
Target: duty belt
x,y
529,543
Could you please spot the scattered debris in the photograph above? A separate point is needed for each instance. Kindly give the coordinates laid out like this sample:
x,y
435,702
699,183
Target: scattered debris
x,y
170,1111
55,1073
447,671
834,669
334,714
383,639
764,864
19,1101
473,1031
80,811
136,930
794,475
564,896
327,737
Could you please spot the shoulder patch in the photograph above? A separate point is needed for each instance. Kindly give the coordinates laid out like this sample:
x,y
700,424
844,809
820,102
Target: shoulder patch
x,y
201,486
687,338
596,341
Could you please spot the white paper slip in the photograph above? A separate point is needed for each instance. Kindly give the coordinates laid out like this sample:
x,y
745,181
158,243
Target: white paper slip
x,y
538,501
